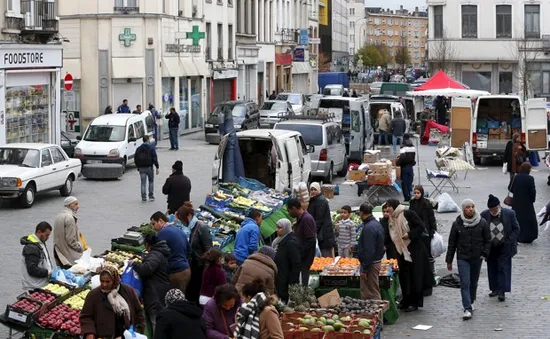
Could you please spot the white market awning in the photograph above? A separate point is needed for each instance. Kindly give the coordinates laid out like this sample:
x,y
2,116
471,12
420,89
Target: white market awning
x,y
171,67
202,67
124,68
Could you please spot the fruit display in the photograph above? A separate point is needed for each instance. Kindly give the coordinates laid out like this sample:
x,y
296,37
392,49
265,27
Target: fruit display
x,y
221,196
358,306
301,299
341,270
261,207
43,297
233,215
63,318
319,264
227,225
348,262
242,203
56,289
26,306
392,262
119,256
236,189
328,322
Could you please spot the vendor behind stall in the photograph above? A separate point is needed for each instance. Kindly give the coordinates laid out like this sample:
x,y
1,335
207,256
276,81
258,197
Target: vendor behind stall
x,y
37,265
111,309
67,240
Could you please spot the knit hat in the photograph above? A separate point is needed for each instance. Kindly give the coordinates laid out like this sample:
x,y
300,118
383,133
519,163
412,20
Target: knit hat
x,y
269,251
466,203
69,200
173,296
493,201
316,186
178,166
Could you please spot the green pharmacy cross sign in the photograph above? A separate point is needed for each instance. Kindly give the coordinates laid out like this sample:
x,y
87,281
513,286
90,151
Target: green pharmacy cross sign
x,y
195,35
127,37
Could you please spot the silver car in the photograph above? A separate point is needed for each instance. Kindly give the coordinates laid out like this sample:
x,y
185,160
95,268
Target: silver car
x,y
271,110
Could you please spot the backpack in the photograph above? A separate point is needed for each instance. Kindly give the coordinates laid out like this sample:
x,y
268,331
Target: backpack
x,y
143,157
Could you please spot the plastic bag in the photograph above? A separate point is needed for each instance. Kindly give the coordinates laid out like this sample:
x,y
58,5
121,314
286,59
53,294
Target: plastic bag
x,y
131,278
59,275
446,204
505,168
131,334
317,249
437,245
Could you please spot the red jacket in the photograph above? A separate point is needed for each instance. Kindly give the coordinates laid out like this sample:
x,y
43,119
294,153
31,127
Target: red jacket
x,y
212,277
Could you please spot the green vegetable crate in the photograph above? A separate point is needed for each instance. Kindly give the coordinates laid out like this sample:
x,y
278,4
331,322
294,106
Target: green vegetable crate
x,y
351,281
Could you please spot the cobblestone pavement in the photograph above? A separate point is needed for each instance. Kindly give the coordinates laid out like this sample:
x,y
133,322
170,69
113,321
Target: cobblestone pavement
x,y
110,207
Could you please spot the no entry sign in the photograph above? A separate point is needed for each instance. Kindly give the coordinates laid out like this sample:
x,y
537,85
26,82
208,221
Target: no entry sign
x,y
68,82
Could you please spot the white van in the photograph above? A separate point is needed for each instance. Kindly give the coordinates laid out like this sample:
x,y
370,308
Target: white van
x,y
277,158
110,143
494,120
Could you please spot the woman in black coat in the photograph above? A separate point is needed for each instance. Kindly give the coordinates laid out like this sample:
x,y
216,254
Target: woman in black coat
x,y
178,317
424,209
525,193
407,231
153,271
287,258
320,210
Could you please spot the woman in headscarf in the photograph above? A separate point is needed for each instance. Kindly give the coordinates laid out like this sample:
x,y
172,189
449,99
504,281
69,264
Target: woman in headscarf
x,y
178,316
287,258
257,318
407,231
525,194
424,209
111,308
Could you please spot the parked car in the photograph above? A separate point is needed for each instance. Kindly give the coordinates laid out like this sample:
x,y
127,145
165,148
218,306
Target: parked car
x,y
334,89
297,100
28,169
246,115
68,144
271,110
329,152
110,143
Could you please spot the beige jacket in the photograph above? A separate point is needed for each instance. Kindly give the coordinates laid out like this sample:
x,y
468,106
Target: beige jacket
x,y
257,265
270,325
66,239
384,123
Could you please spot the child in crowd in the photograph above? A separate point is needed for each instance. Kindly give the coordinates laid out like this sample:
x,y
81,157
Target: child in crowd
x,y
212,276
229,266
347,237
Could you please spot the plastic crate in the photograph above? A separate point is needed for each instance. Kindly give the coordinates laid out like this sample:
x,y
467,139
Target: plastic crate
x,y
20,317
251,184
219,204
351,281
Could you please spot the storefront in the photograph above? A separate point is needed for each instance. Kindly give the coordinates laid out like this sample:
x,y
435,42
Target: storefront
x,y
283,62
223,84
300,77
30,85
247,59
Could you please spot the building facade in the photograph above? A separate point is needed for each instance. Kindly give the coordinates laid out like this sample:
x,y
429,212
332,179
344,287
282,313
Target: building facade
x,y
31,57
507,50
247,49
399,30
340,35
314,42
357,25
142,51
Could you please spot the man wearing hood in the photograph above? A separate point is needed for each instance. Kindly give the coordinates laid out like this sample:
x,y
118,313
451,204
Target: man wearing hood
x,y
470,238
246,241
177,187
153,271
37,266
407,160
180,316
504,228
67,240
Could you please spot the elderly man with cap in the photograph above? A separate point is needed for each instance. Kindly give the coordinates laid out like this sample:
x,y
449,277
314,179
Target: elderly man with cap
x,y
320,210
504,228
470,238
177,187
67,240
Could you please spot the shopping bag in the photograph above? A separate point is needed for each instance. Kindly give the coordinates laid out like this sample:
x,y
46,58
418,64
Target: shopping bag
x,y
317,249
83,241
131,278
437,245
446,204
131,334
505,168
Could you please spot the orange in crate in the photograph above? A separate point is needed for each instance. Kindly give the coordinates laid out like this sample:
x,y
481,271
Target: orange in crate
x,y
348,261
319,264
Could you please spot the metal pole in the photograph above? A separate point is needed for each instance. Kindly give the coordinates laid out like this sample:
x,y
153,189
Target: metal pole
x,y
417,137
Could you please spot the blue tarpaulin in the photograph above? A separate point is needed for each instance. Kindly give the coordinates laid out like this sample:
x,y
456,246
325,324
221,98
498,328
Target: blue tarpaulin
x,y
233,166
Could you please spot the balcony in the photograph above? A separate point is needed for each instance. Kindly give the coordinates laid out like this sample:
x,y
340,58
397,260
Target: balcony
x,y
220,54
13,25
126,6
39,17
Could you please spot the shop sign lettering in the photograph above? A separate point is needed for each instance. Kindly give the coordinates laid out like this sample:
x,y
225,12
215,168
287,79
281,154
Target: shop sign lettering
x,y
174,48
23,58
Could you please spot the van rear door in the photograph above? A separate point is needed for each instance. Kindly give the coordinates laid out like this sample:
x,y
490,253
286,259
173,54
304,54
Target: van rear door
x,y
281,172
293,158
218,161
536,124
461,121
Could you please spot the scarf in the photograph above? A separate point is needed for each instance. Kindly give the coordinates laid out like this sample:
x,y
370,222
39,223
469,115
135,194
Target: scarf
x,y
118,303
398,228
472,221
286,228
73,213
248,318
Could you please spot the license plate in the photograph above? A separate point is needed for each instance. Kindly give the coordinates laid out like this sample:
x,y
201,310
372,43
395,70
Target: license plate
x,y
208,125
481,144
94,161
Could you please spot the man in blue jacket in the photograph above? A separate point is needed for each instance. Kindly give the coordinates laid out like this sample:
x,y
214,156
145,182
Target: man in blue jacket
x,y
371,252
145,158
124,108
246,242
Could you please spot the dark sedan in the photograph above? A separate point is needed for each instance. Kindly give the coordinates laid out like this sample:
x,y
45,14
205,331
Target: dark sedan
x,y
68,144
245,116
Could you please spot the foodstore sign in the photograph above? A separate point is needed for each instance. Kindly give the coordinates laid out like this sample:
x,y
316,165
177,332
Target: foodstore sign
x,y
23,58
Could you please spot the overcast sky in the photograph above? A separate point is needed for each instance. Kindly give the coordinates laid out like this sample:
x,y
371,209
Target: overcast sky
x,y
394,4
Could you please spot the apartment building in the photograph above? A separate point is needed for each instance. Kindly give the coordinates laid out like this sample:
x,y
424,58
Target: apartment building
x,y
247,58
398,29
31,57
507,50
357,25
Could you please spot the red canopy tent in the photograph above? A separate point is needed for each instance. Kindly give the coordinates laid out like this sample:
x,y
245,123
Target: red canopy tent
x,y
439,81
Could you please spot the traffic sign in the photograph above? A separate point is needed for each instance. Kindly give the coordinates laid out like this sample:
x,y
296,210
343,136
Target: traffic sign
x,y
68,82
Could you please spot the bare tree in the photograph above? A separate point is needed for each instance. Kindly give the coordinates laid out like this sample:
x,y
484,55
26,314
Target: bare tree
x,y
525,51
442,54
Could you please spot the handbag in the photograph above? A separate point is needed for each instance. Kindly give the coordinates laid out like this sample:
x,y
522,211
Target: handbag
x,y
508,201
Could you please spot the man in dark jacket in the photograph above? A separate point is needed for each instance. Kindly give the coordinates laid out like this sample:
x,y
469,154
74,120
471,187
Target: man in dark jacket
x,y
371,252
145,158
173,128
273,96
320,211
398,126
180,315
406,160
156,116
177,187
306,233
124,108
504,228
153,271
470,238
37,265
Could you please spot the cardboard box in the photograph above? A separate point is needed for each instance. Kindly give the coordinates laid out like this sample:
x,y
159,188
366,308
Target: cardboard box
x,y
328,191
494,136
516,130
381,168
370,157
398,172
357,175
329,299
494,131
379,179
505,136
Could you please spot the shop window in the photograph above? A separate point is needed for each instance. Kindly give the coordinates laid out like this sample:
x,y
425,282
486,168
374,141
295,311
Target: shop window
x,y
505,82
196,107
167,94
469,21
504,21
532,21
477,80
46,158
438,22
28,114
184,104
